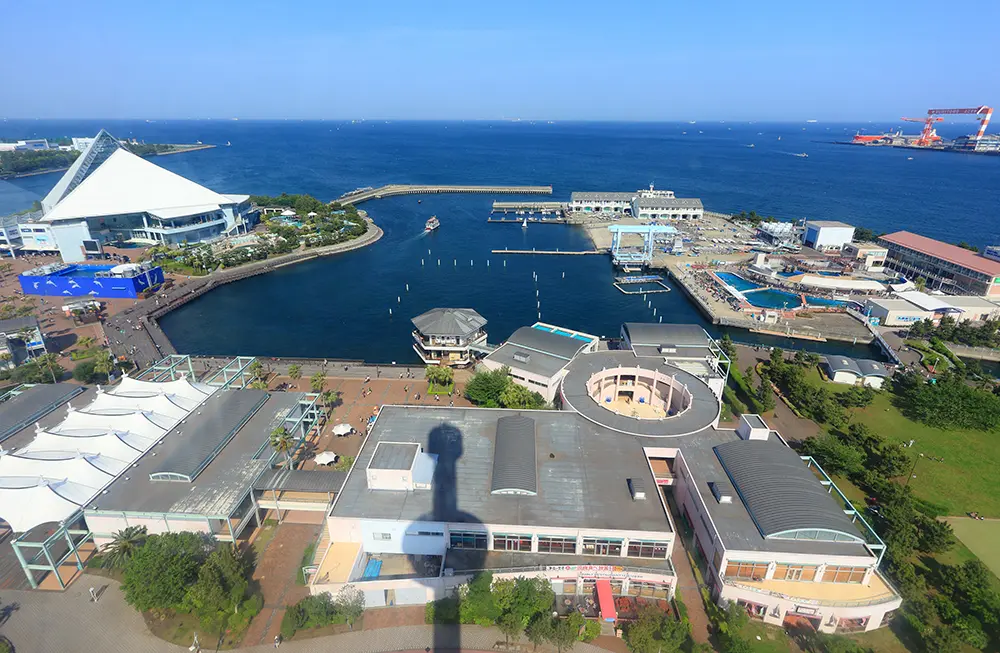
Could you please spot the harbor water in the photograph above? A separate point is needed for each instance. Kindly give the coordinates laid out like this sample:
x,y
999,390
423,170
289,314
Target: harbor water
x,y
338,307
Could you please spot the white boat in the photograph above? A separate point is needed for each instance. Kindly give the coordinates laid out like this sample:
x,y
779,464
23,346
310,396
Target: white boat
x,y
228,143
524,225
432,224
801,155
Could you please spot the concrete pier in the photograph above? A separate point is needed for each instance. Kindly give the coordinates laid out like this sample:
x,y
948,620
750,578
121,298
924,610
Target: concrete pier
x,y
390,190
547,252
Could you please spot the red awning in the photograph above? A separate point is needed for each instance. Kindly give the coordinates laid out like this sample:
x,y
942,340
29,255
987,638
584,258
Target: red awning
x,y
605,601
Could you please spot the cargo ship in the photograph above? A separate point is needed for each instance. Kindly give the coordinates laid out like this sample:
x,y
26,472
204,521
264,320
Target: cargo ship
x,y
432,224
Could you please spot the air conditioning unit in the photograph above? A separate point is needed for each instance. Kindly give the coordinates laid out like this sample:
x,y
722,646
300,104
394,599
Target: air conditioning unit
x,y
637,489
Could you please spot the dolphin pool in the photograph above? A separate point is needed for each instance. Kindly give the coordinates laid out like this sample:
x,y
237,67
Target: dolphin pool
x,y
767,297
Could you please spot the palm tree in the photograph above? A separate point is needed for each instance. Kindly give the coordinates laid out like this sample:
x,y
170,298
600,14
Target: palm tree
x,y
283,442
920,283
317,381
104,363
86,342
295,372
123,546
258,385
50,363
329,398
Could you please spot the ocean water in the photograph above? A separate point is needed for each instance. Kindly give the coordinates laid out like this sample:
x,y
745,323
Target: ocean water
x,y
338,307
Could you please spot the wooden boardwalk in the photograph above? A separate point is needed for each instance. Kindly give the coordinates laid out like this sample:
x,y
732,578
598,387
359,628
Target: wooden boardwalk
x,y
390,190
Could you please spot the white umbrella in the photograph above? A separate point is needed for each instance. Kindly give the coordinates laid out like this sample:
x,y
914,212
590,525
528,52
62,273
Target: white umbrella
x,y
341,429
326,458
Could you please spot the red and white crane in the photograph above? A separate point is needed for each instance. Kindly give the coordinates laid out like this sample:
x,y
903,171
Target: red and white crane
x,y
928,136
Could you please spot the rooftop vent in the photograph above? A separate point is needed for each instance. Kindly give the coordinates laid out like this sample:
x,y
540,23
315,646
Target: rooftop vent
x,y
722,491
668,350
522,357
637,489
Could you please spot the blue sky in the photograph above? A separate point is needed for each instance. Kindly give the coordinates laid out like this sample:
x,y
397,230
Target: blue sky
x,y
475,59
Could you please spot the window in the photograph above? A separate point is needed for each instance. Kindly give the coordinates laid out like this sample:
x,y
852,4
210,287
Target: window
x,y
425,533
468,540
512,543
794,572
601,547
640,549
641,588
556,544
835,574
381,536
569,586
746,570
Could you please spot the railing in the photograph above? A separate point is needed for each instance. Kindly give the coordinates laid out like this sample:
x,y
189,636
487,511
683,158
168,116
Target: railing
x,y
518,570
881,598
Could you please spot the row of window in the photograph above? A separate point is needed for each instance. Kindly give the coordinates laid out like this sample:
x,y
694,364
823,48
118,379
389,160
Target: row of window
x,y
756,571
554,544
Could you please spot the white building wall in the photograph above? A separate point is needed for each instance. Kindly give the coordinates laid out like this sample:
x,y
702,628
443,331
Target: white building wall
x,y
69,237
105,525
828,238
403,537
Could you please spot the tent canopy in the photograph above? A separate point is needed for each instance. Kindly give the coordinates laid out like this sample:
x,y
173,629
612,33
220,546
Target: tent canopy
x,y
28,502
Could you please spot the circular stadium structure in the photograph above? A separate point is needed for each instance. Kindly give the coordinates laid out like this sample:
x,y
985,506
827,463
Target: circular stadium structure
x,y
641,396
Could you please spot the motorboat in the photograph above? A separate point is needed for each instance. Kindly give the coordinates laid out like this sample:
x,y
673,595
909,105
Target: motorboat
x,y
432,224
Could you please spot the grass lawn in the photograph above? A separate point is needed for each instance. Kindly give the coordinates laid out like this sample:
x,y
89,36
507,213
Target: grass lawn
x,y
264,537
433,389
180,628
772,639
981,538
964,482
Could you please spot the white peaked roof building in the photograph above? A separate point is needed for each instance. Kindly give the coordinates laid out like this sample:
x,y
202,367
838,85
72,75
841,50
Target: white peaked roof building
x,y
67,465
110,194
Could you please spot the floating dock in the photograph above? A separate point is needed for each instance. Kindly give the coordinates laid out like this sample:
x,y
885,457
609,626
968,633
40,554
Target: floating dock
x,y
522,208
356,197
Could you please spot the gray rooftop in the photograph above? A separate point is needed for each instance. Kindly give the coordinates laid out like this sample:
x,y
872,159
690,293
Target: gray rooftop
x,y
394,455
582,473
780,492
703,413
755,421
828,223
678,335
547,342
191,445
602,196
842,364
514,461
519,358
220,487
449,322
15,324
32,404
869,367
736,527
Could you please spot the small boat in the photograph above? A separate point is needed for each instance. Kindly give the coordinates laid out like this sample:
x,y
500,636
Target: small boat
x,y
419,201
228,144
750,145
432,224
779,138
909,158
524,225
801,155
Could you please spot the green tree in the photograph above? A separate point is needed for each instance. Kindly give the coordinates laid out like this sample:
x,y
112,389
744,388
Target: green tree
x,y
123,545
484,388
50,364
350,603
84,371
564,632
765,395
317,381
920,283
511,627
329,398
295,372
539,629
673,634
517,396
158,574
835,455
641,635
283,442
439,375
221,588
104,363
477,604
729,348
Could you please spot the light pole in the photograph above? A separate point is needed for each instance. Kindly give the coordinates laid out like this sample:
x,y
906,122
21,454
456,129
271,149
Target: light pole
x,y
913,469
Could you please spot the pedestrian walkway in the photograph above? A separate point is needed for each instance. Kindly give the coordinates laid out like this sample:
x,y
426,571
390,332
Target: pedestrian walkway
x,y
687,585
69,621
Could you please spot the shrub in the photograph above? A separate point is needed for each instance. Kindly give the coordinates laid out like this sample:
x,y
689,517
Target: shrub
x,y
85,373
442,611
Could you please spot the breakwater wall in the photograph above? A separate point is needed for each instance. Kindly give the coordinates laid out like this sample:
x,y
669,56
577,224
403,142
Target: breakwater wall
x,y
391,190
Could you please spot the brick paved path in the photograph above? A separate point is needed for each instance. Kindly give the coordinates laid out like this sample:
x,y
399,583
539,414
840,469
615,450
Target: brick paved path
x,y
67,621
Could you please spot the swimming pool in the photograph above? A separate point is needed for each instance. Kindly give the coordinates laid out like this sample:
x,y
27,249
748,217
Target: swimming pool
x,y
737,282
84,270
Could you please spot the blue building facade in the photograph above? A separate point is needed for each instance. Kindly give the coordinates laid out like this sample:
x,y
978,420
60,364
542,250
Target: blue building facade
x,y
90,280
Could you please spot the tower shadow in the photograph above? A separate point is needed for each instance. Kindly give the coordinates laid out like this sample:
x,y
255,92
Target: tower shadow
x,y
447,442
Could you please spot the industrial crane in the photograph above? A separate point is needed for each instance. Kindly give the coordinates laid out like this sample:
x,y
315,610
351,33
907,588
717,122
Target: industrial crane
x,y
928,136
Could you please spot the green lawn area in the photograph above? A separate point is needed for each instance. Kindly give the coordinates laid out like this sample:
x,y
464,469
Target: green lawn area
x,y
772,639
434,389
964,482
981,538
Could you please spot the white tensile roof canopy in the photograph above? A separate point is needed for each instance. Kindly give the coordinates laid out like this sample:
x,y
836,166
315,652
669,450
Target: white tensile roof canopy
x,y
126,183
68,464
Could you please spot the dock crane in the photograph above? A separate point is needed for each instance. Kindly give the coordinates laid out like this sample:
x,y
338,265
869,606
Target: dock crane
x,y
928,136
